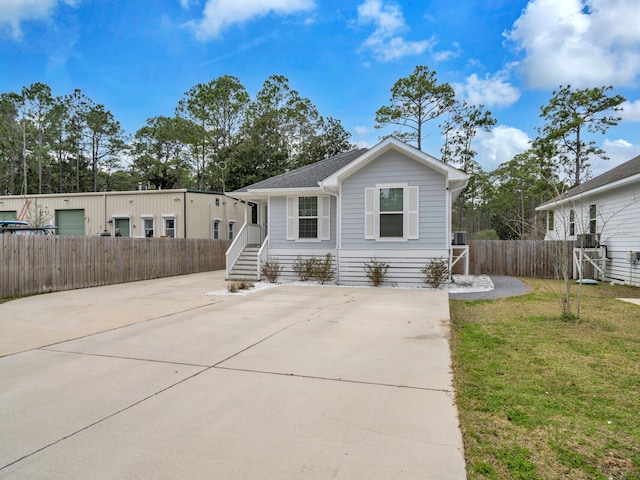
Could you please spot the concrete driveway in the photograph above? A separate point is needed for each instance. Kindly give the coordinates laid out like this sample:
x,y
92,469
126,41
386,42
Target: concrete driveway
x,y
155,380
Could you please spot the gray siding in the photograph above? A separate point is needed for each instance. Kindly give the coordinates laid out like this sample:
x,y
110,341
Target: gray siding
x,y
617,222
278,228
287,259
395,167
405,266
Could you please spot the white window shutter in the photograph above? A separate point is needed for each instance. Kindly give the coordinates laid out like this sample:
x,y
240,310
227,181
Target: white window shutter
x,y
370,213
325,218
291,218
413,214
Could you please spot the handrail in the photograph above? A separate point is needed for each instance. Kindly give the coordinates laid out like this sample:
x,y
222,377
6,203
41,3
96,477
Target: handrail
x,y
234,251
262,255
249,234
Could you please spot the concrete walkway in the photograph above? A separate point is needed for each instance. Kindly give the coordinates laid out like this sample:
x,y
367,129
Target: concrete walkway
x,y
155,380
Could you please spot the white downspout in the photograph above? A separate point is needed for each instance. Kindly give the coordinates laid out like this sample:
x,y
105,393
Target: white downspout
x,y
338,225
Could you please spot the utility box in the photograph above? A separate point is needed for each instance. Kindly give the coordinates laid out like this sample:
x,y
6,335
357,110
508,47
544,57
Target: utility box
x,y
588,240
633,257
459,238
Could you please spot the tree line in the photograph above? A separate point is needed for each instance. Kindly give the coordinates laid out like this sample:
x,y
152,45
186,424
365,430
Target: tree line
x,y
500,204
219,138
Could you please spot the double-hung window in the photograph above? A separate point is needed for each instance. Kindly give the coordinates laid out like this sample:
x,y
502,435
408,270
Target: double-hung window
x,y
593,218
216,229
147,224
572,222
308,218
169,226
392,212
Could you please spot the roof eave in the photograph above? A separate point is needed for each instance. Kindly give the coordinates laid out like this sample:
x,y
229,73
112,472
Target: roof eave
x,y
453,174
589,193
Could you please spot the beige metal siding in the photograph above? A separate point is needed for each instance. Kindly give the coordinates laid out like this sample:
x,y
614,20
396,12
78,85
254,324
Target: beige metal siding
x,y
198,209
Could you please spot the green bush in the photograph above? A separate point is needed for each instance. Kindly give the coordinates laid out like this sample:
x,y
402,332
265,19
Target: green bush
x,y
484,235
304,269
323,270
271,269
436,273
376,272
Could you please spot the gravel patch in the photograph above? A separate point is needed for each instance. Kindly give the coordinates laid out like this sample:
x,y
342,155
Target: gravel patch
x,y
503,286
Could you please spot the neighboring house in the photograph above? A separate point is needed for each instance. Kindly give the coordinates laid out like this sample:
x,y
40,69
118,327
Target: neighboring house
x,y
176,213
391,203
603,215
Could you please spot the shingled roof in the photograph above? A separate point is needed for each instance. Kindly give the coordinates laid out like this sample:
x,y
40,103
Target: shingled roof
x,y
309,175
625,170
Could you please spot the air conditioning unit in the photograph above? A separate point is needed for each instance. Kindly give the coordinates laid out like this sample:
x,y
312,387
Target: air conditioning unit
x,y
588,240
459,238
633,257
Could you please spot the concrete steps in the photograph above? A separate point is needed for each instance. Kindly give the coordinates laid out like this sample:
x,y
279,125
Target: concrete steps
x,y
246,267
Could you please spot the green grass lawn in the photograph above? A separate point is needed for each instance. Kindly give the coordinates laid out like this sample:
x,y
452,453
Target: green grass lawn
x,y
543,398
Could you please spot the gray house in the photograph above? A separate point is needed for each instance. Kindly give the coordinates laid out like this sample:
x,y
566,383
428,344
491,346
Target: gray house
x,y
391,202
603,217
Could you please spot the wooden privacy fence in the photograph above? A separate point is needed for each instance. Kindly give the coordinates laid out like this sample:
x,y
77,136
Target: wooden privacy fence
x,y
45,263
520,258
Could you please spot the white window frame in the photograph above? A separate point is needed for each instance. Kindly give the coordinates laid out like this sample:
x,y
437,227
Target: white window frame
x,y
164,225
231,229
324,218
146,218
215,231
410,212
572,222
593,218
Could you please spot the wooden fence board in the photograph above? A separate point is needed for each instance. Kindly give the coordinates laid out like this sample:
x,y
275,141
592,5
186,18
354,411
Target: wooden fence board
x,y
521,258
40,263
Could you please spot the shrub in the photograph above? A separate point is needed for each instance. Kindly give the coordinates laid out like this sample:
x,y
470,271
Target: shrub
x,y
304,269
376,272
233,287
485,235
271,269
323,270
436,273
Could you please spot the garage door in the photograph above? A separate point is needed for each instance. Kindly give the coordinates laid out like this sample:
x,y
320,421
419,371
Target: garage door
x,y
70,222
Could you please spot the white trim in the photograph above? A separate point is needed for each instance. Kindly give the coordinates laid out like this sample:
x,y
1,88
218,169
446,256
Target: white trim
x,y
410,212
413,213
292,217
323,218
168,216
452,174
582,196
370,218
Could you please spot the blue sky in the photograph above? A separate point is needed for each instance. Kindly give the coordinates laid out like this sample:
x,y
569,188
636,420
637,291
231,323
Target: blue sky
x,y
138,57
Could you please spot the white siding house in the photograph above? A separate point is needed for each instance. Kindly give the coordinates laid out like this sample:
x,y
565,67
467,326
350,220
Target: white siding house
x,y
603,212
391,203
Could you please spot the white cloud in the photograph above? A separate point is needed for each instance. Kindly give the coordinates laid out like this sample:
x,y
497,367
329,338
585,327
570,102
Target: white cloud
x,y
618,151
220,14
14,12
360,130
491,91
386,41
585,43
448,54
630,111
500,145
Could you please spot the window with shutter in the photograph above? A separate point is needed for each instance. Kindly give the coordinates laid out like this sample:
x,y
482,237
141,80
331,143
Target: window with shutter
x,y
309,218
392,212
